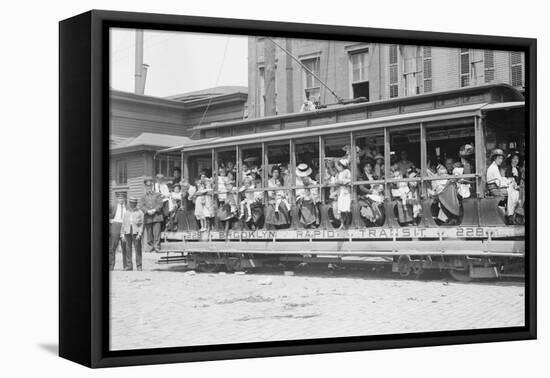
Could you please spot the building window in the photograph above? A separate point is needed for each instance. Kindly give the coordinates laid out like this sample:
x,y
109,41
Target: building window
x,y
517,69
394,72
359,65
464,67
121,172
166,164
312,87
427,68
489,65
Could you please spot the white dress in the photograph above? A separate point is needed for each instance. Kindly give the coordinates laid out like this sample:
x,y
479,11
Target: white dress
x,y
344,191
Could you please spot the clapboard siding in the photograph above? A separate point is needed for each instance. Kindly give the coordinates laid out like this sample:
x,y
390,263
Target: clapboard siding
x,y
218,113
139,165
133,127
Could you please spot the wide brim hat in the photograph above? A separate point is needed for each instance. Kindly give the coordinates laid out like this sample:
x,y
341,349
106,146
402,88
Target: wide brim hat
x,y
160,176
378,156
303,170
133,200
496,152
148,181
250,159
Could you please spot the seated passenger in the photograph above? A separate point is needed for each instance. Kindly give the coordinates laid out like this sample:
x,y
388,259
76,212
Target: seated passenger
x,y
449,165
343,180
463,186
371,197
404,164
512,170
228,211
407,197
307,197
278,207
379,170
502,186
230,167
446,208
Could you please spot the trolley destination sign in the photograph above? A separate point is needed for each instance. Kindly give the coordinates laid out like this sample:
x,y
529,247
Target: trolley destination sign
x,y
366,233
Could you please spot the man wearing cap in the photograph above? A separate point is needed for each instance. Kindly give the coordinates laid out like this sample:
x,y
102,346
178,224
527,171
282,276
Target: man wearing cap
x,y
131,231
151,206
116,215
502,186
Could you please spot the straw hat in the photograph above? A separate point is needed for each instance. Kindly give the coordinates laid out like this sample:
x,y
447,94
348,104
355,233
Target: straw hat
x,y
343,162
148,181
496,152
133,200
379,156
302,170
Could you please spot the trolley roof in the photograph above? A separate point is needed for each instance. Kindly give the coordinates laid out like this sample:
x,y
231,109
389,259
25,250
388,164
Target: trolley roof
x,y
340,127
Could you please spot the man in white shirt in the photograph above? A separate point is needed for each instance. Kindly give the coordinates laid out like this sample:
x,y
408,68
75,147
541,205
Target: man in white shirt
x,y
502,186
116,215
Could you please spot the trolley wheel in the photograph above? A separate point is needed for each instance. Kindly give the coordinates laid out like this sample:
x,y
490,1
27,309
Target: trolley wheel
x,y
233,264
404,265
206,265
460,275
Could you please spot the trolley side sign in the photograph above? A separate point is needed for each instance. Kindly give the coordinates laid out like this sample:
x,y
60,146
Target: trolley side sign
x,y
365,233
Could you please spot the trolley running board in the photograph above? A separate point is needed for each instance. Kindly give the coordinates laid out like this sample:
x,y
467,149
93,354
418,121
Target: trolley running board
x,y
374,248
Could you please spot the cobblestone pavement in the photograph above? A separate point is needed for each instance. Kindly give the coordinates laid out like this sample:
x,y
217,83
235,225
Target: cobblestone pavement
x,y
164,306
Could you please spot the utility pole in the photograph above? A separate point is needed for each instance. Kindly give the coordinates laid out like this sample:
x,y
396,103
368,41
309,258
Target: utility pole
x,y
269,78
140,69
289,78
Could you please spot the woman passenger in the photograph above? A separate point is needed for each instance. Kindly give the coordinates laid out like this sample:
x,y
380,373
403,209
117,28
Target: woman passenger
x,y
278,208
379,166
332,201
343,180
307,197
502,186
371,197
512,170
227,202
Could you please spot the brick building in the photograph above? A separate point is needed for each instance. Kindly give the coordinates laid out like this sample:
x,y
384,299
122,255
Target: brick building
x,y
374,71
142,125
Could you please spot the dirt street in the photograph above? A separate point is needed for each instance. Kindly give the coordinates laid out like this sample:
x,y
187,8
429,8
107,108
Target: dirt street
x,y
164,306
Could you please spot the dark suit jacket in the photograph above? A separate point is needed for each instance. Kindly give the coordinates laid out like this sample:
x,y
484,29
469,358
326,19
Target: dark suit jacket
x,y
151,201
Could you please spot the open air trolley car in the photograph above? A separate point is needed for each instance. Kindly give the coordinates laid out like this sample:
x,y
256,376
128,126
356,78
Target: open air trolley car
x,y
429,127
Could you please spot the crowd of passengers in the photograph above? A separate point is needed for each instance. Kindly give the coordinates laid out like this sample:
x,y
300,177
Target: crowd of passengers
x,y
178,204
204,201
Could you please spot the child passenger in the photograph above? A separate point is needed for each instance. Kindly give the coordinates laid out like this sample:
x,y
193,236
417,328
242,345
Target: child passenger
x,y
248,198
343,179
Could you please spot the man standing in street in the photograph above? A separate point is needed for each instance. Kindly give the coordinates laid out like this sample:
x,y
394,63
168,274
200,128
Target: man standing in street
x,y
116,215
132,229
151,206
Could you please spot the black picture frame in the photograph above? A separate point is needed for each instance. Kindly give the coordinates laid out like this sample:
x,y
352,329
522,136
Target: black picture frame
x,y
84,157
